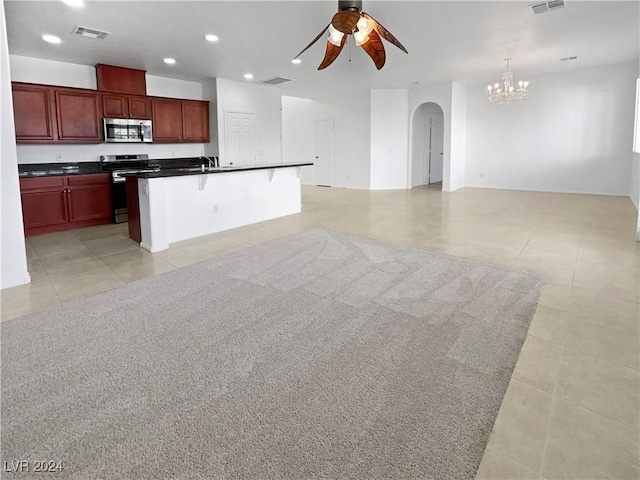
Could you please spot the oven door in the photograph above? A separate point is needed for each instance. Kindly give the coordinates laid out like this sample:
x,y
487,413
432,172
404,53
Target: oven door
x,y
117,130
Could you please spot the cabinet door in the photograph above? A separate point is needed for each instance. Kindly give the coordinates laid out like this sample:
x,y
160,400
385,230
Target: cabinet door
x,y
89,203
115,106
78,115
167,120
44,208
32,113
195,121
139,107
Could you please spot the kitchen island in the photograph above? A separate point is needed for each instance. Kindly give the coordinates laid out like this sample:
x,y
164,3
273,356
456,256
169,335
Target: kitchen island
x,y
177,204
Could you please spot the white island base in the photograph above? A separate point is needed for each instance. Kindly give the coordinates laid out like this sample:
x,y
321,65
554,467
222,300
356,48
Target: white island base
x,y
175,208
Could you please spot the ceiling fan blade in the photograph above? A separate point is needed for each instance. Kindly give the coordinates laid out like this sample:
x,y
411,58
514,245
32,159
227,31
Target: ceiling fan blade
x,y
384,33
345,21
375,49
332,53
313,41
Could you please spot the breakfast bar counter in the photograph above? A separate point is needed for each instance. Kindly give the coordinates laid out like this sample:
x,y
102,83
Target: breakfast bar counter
x,y
173,205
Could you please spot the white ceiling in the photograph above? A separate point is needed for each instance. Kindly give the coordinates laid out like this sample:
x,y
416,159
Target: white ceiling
x,y
446,40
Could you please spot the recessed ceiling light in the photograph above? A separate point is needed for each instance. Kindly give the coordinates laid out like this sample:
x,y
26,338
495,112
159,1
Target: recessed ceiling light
x,y
296,61
169,61
51,38
248,76
74,3
211,38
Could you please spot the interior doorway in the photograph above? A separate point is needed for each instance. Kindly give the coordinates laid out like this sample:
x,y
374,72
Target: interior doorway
x,y
427,162
324,152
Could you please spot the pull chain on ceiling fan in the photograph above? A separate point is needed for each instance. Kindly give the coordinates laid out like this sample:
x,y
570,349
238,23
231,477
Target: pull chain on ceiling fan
x,y
366,31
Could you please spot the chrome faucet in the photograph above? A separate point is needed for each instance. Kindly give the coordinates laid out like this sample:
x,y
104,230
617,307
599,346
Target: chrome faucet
x,y
213,162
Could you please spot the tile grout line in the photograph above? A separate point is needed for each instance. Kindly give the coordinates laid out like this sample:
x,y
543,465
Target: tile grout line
x,y
53,287
552,406
497,452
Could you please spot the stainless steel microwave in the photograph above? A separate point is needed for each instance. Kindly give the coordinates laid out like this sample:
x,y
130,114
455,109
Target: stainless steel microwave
x,y
127,131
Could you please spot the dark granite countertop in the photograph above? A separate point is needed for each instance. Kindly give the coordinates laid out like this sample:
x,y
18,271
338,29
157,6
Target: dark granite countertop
x,y
26,170
185,171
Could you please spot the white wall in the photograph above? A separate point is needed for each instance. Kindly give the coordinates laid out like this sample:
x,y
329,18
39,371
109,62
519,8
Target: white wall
x,y
634,188
210,93
389,138
350,111
572,134
173,88
35,70
262,100
299,116
457,159
13,257
48,72
634,184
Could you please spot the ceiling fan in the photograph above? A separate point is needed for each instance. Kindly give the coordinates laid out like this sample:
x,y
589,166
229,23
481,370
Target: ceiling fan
x,y
367,32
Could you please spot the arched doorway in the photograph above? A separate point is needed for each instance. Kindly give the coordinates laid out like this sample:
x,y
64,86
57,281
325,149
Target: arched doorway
x,y
427,153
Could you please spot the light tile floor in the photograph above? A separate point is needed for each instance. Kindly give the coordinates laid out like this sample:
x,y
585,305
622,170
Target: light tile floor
x,y
572,407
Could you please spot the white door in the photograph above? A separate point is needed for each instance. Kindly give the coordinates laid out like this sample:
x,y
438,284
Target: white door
x,y
324,153
436,148
240,138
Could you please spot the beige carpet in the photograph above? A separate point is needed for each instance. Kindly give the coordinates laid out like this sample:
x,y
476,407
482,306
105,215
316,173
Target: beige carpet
x,y
317,355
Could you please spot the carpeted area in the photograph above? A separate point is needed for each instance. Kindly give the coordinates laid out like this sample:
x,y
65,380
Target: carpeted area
x,y
317,355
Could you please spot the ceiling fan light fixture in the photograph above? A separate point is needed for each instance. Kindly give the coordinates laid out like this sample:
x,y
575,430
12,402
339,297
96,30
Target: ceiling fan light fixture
x,y
360,38
335,36
368,33
365,26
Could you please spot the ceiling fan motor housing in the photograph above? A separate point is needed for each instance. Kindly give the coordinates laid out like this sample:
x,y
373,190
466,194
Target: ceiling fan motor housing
x,y
350,5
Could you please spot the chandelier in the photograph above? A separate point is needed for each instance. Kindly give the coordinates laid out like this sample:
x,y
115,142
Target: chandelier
x,y
506,92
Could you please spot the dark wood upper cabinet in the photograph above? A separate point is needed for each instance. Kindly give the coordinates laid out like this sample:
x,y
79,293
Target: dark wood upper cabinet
x,y
115,106
121,80
125,106
139,107
33,113
78,114
51,114
167,120
195,121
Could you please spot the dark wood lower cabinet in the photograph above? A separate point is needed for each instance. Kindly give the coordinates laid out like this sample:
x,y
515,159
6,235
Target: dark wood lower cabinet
x,y
133,210
44,209
56,204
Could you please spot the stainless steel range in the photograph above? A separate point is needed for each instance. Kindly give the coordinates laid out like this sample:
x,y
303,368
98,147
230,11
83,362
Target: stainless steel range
x,y
119,165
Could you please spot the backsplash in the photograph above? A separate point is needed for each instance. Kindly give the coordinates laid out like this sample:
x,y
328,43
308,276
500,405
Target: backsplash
x,y
29,154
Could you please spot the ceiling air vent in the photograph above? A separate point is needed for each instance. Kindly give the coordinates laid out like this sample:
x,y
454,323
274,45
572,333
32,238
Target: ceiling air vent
x,y
544,7
276,81
89,32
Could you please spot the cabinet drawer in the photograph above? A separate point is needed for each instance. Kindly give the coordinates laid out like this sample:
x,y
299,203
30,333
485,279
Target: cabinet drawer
x,y
92,179
42,182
